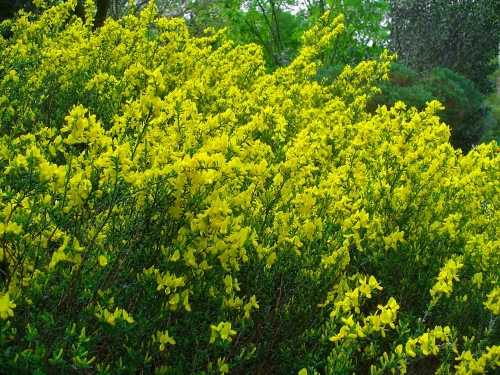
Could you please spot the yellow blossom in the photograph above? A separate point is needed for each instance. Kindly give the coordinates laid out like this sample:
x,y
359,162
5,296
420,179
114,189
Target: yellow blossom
x,y
6,306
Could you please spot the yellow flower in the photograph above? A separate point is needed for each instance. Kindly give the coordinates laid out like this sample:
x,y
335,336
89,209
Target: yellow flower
x,y
127,317
222,330
11,227
399,349
6,306
164,339
103,260
447,275
223,366
410,348
111,317
493,301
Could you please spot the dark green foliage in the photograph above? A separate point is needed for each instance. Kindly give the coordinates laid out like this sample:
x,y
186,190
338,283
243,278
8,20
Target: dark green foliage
x,y
493,119
8,8
464,110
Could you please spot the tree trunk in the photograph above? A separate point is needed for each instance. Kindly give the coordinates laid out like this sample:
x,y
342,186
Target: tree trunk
x,y
80,10
101,13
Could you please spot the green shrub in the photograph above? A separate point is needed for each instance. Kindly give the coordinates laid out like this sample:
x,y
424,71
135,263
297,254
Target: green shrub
x,y
168,207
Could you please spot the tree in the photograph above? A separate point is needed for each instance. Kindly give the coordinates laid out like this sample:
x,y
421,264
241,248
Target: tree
x,y
268,23
463,111
461,35
277,26
9,8
365,35
102,7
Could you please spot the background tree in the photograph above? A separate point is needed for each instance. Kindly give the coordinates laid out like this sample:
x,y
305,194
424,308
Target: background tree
x,y
365,35
461,35
102,8
8,8
465,111
271,24
268,23
281,23
277,25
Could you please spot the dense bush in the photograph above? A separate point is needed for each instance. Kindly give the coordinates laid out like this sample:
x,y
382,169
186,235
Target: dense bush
x,y
167,206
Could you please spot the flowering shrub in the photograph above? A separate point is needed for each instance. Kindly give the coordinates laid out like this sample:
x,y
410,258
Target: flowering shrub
x,y
167,206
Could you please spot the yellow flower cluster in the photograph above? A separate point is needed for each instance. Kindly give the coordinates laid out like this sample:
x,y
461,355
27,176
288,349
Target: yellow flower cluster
x,y
377,322
164,339
112,317
351,299
447,275
6,306
223,331
489,360
492,302
426,343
